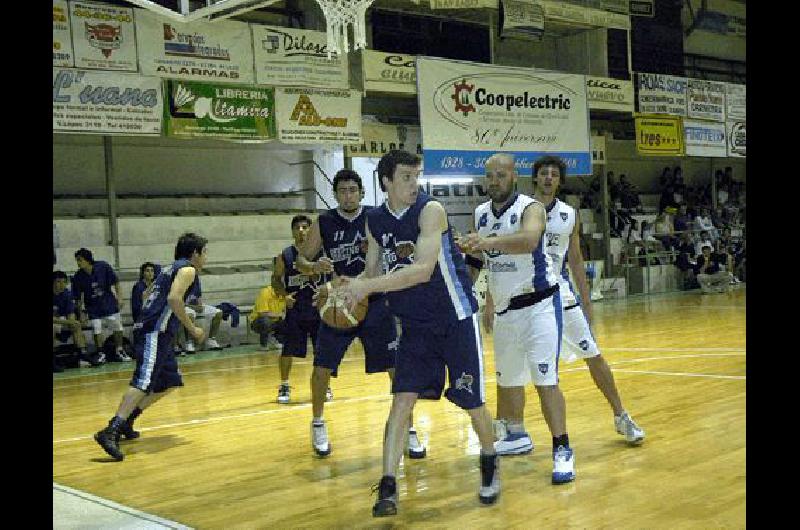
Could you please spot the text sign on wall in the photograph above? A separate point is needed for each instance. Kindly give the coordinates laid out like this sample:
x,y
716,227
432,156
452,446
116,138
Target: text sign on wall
x,y
103,36
62,36
736,101
296,57
705,138
659,135
737,138
378,139
389,72
598,150
605,93
522,18
201,51
706,100
89,101
662,94
315,115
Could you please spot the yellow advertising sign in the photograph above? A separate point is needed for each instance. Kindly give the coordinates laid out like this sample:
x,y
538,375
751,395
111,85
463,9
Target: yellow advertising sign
x,y
659,134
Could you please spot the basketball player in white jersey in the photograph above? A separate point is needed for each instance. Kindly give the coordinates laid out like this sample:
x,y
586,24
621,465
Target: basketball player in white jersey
x,y
524,307
563,247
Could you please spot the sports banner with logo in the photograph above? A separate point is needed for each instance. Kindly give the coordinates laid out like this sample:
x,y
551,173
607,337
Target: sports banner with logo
x,y
604,93
296,57
389,72
469,111
88,101
659,135
62,35
221,51
737,138
706,100
661,94
736,101
522,19
318,115
103,36
705,138
377,139
195,109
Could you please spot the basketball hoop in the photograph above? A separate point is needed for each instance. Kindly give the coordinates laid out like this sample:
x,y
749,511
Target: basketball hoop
x,y
339,14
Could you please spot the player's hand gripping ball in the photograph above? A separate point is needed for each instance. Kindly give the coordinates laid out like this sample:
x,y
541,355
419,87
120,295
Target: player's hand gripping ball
x,y
334,311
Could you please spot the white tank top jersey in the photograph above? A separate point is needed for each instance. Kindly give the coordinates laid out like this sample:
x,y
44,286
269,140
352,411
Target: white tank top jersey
x,y
561,219
510,275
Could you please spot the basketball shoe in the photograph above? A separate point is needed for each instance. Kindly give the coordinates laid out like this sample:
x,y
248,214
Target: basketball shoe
x,y
283,394
563,465
625,426
107,438
414,447
490,479
387,497
319,438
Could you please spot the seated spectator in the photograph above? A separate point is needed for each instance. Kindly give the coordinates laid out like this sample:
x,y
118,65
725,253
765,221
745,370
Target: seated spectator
x,y
686,261
702,241
97,293
268,313
195,307
649,239
711,274
667,199
634,235
147,275
681,222
66,322
664,232
703,222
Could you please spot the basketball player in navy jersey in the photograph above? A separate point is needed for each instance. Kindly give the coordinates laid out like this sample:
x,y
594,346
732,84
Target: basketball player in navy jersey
x,y
156,371
341,235
412,256
302,319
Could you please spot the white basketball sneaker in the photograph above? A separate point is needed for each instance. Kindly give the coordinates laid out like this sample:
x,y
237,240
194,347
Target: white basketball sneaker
x,y
490,479
563,465
514,443
212,344
415,447
625,426
319,438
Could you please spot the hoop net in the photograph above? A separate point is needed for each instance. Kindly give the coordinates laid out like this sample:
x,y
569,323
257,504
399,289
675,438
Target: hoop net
x,y
339,14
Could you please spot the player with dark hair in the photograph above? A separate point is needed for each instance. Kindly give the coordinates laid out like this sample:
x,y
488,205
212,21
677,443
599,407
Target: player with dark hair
x,y
302,319
156,371
413,258
66,322
97,292
340,234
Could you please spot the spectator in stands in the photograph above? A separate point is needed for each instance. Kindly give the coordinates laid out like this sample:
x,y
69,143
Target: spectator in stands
x,y
686,261
195,307
268,313
702,241
723,195
97,293
703,222
740,262
728,175
667,199
679,188
665,179
630,195
711,274
682,221
664,231
614,191
634,235
66,322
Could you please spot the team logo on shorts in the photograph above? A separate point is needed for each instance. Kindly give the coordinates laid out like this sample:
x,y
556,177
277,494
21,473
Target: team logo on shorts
x,y
584,344
543,368
563,216
482,221
464,382
513,218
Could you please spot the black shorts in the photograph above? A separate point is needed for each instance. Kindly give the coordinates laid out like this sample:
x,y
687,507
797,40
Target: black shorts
x,y
298,327
156,368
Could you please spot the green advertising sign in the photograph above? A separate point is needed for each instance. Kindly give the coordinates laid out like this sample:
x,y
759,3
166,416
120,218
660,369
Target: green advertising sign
x,y
194,109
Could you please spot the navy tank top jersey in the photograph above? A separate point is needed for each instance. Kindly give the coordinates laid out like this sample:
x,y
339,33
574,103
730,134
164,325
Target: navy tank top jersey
x,y
298,284
345,241
156,314
447,296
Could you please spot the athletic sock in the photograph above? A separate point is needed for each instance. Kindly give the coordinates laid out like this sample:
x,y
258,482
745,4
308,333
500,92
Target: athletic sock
x,y
560,440
516,427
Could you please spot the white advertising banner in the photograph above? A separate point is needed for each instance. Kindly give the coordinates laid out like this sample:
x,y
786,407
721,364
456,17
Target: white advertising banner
x,y
705,138
296,57
103,36
662,94
62,36
737,138
200,51
604,93
706,100
463,4
389,72
736,101
470,111
318,115
522,19
377,139
584,16
88,101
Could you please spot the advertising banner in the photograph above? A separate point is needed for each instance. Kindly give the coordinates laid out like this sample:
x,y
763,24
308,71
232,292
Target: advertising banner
x,y
642,8
221,51
88,101
705,138
736,101
389,72
661,94
317,115
463,4
604,93
296,57
197,109
706,100
659,135
585,16
103,36
737,138
377,139
470,111
62,35
522,19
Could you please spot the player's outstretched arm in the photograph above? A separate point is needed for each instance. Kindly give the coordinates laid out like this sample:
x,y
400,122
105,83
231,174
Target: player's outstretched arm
x,y
575,261
183,280
532,226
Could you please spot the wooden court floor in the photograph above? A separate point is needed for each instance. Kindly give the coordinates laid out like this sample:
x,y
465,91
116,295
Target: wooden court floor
x,y
221,453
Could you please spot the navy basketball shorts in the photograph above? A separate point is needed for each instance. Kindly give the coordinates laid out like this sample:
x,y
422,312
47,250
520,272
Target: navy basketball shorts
x,y
156,368
298,328
424,353
378,336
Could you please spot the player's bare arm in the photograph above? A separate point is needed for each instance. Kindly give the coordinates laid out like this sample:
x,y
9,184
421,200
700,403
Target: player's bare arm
x,y
372,268
474,260
183,280
488,312
575,261
534,221
309,250
277,276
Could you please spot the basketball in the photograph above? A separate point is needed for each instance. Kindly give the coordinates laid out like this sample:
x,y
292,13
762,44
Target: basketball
x,y
334,311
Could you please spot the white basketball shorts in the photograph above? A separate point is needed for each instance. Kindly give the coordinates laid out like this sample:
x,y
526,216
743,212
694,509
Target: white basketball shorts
x,y
578,340
110,322
527,342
